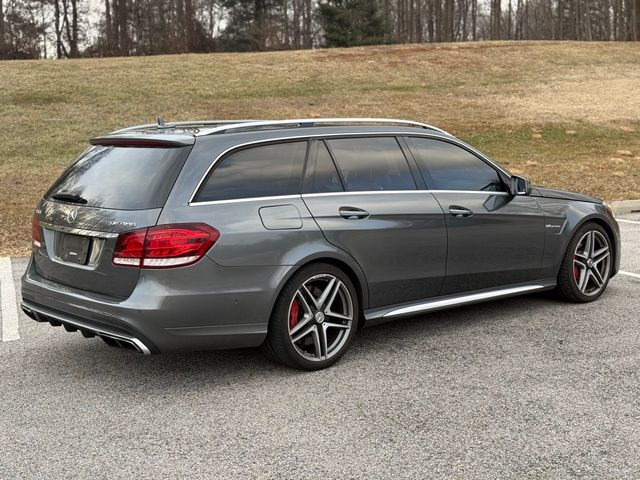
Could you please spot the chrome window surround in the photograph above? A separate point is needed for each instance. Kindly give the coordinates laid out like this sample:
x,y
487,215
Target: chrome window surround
x,y
350,134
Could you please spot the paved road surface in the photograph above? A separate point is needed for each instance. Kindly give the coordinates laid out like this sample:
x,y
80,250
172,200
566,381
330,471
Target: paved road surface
x,y
522,388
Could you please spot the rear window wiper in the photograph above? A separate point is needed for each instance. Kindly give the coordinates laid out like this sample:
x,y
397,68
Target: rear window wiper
x,y
70,197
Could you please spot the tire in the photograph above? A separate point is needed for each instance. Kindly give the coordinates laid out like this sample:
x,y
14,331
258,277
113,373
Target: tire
x,y
314,319
584,275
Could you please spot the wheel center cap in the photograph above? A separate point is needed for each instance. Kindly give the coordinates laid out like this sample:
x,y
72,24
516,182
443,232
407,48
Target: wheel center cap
x,y
319,317
590,263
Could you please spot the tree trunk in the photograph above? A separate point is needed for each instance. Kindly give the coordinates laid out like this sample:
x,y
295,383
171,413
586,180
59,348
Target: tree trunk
x,y
636,13
108,31
2,33
189,24
496,12
73,41
58,29
474,19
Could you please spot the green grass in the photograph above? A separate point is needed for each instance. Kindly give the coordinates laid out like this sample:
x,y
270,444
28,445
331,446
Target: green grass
x,y
515,101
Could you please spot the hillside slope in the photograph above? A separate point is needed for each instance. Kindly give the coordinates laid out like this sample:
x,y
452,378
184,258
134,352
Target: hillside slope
x,y
566,114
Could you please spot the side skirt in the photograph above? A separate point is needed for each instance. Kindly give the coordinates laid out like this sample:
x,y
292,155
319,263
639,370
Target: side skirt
x,y
375,316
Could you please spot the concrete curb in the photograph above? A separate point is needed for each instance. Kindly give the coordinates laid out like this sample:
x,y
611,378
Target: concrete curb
x,y
621,207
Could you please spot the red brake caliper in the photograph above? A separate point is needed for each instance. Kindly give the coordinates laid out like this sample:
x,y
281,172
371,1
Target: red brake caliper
x,y
293,315
576,272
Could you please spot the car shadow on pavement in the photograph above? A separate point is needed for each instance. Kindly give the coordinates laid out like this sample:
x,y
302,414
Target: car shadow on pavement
x,y
91,358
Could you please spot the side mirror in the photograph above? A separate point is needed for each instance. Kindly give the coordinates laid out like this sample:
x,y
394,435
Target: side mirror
x,y
519,186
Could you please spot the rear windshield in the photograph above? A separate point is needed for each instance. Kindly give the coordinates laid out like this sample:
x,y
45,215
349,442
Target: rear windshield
x,y
122,178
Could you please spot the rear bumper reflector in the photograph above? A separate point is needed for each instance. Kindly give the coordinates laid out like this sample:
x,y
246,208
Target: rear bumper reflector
x,y
110,336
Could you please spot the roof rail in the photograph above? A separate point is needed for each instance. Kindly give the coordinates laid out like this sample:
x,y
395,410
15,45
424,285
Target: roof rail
x,y
186,124
313,122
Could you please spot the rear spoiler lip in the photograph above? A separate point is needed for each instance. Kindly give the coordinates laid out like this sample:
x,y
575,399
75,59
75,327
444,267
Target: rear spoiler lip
x,y
141,141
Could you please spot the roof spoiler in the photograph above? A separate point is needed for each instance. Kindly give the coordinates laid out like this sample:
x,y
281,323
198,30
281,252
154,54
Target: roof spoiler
x,y
142,140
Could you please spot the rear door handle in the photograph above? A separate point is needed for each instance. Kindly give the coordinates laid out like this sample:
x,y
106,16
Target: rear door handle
x,y
457,211
352,213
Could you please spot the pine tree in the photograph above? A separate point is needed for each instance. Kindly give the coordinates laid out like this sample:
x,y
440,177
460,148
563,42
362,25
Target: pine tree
x,y
349,23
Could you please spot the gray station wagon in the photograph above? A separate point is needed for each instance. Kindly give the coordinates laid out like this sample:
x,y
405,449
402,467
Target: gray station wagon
x,y
292,234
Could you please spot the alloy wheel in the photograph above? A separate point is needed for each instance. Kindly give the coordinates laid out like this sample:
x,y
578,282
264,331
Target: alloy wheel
x,y
320,317
592,263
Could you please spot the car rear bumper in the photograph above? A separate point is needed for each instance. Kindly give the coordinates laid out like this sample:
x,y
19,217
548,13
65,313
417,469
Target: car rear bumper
x,y
201,307
110,335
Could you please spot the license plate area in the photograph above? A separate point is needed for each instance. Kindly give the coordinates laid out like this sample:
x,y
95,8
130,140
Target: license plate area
x,y
72,248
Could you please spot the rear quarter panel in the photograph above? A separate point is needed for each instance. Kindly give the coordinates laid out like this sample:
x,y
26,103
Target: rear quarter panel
x,y
244,240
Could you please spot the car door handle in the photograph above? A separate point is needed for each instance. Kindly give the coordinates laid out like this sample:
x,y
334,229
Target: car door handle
x,y
352,213
457,211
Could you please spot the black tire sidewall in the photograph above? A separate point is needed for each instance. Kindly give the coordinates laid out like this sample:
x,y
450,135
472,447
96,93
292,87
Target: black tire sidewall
x,y
567,266
279,323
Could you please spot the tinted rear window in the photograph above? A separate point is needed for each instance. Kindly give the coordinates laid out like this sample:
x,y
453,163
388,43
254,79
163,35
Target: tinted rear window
x,y
372,164
123,178
264,171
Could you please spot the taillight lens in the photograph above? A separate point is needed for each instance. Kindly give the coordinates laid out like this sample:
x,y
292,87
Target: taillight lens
x,y
36,232
164,246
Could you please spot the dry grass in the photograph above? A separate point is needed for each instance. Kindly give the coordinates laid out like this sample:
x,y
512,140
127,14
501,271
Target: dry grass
x,y
558,112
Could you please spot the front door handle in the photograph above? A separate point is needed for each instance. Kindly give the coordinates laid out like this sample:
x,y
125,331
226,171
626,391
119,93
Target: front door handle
x,y
457,211
352,213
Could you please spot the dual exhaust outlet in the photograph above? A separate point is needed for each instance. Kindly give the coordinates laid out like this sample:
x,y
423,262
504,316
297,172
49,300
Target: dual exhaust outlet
x,y
111,337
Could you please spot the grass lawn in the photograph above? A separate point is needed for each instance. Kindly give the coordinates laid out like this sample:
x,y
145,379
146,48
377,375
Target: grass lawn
x,y
567,114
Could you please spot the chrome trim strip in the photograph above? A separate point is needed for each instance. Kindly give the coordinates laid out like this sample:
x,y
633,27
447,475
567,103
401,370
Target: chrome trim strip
x,y
374,192
486,192
460,300
347,134
100,331
329,194
302,122
363,192
78,231
248,199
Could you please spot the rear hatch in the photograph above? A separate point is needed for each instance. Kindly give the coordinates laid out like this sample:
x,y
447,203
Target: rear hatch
x,y
118,185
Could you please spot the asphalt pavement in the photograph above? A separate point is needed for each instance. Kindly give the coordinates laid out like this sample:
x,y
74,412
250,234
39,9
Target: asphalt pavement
x,y
528,387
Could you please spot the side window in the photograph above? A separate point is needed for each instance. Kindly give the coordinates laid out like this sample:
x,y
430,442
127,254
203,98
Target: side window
x,y
324,176
453,168
372,164
262,171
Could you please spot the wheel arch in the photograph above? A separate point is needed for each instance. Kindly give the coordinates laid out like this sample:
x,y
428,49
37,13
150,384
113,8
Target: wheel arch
x,y
608,228
340,260
611,233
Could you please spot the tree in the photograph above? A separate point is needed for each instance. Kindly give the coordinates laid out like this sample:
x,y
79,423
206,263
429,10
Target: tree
x,y
21,29
2,39
348,23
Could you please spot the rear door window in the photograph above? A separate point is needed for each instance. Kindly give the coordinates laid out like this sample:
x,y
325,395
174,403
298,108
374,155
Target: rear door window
x,y
122,178
264,171
450,167
372,164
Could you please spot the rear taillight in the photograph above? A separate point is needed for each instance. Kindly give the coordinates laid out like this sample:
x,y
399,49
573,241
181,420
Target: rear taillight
x,y
164,246
36,232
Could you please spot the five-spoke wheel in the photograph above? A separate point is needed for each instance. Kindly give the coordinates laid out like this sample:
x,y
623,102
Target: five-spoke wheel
x,y
320,317
314,319
587,265
592,262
